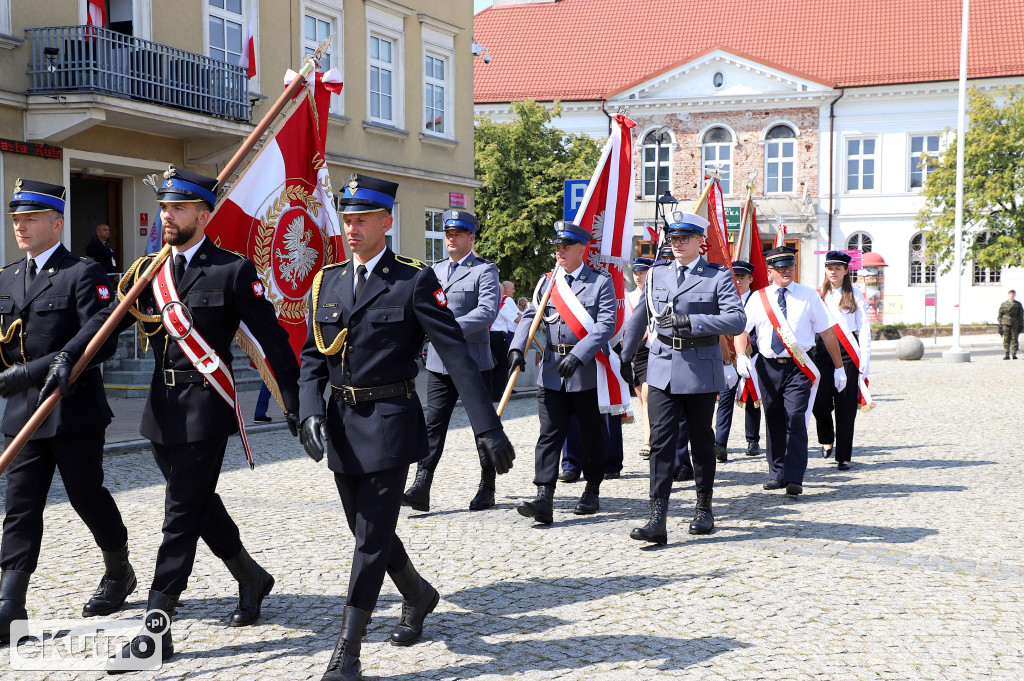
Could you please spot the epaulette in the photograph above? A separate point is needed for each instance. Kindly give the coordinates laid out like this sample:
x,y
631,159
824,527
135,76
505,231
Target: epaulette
x,y
438,262
411,262
483,259
240,255
661,263
335,264
717,266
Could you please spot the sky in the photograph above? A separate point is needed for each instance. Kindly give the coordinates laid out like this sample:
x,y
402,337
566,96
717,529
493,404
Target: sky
x,y
480,4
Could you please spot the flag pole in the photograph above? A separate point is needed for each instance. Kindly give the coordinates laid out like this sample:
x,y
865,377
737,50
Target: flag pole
x,y
48,405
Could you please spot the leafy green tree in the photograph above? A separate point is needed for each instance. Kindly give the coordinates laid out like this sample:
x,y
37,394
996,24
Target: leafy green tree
x,y
523,164
993,186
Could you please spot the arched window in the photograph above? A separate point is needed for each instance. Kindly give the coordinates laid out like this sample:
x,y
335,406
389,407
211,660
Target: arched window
x,y
921,272
779,160
657,163
860,241
985,275
716,152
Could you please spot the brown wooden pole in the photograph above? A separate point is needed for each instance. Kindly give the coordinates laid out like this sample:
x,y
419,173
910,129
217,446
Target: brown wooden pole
x,y
44,409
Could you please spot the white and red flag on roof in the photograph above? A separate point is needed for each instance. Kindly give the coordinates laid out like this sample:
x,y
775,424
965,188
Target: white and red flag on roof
x,y
280,214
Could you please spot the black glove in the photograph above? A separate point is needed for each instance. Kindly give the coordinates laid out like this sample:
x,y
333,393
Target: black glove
x,y
293,422
314,437
14,380
515,359
677,322
568,366
495,445
626,371
57,376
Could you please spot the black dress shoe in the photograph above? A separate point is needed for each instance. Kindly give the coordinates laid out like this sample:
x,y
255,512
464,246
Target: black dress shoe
x,y
262,419
721,453
826,451
753,449
589,503
569,475
773,484
843,466
540,509
793,488
683,475
611,475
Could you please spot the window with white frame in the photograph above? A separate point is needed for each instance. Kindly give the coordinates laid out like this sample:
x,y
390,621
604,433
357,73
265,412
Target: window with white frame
x,y
779,160
861,241
861,164
921,272
393,237
5,17
922,148
433,231
657,163
382,79
716,154
434,93
319,22
985,275
225,23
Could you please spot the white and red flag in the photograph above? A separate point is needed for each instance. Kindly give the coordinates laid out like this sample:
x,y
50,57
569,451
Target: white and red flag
x,y
248,59
97,14
780,234
748,246
280,214
650,232
716,241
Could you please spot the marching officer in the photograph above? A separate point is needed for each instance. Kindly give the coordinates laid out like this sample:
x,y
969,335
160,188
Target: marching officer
x,y
368,317
743,275
784,317
45,299
689,302
473,293
186,417
568,376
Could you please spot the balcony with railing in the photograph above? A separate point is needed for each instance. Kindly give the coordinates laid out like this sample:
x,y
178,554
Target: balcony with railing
x,y
84,59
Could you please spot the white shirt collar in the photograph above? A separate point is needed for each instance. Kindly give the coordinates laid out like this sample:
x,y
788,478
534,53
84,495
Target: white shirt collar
x,y
690,266
43,257
189,253
372,262
463,258
575,274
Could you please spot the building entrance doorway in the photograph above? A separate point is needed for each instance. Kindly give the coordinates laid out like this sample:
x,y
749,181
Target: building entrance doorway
x,y
95,200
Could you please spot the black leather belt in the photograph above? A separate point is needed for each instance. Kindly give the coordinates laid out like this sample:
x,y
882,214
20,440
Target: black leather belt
x,y
173,377
562,349
353,396
678,343
779,360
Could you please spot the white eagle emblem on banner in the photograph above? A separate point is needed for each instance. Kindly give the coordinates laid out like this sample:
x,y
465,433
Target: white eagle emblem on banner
x,y
298,259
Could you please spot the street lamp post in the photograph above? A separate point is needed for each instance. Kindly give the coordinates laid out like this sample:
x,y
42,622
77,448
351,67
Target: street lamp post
x,y
666,199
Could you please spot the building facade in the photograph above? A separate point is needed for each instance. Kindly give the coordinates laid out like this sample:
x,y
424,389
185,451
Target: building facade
x,y
96,110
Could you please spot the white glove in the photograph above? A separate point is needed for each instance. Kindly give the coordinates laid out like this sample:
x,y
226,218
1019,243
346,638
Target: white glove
x,y
840,379
730,376
864,366
743,365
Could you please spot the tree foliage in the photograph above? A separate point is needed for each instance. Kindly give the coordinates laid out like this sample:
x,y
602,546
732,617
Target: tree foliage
x,y
523,164
993,186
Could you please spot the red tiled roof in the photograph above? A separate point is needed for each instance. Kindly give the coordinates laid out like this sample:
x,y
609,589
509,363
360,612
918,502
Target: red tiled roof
x,y
591,49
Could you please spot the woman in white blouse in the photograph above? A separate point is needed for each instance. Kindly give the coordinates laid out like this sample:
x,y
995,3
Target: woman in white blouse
x,y
848,309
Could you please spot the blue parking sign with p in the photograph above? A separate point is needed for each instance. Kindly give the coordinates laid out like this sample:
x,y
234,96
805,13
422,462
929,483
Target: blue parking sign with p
x,y
575,190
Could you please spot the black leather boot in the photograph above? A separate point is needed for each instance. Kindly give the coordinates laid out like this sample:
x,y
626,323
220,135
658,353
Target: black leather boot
x,y
418,600
703,521
721,453
160,608
418,495
118,581
484,498
541,509
254,583
589,503
13,591
344,664
655,530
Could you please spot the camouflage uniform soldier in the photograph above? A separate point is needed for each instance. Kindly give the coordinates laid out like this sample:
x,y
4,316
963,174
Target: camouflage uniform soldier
x,y
1010,318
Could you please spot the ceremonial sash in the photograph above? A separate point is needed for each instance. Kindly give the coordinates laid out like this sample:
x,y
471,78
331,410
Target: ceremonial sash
x,y
852,346
178,324
749,389
785,333
612,391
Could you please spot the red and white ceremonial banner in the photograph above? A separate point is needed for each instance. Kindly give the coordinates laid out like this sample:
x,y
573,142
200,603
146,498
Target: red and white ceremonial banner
x,y
97,14
785,333
612,391
280,214
852,347
248,58
716,242
748,246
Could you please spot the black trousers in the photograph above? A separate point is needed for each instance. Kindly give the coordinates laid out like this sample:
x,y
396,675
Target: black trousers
x,y
724,414
844,404
785,391
665,411
371,503
572,450
500,342
441,399
556,409
79,457
192,510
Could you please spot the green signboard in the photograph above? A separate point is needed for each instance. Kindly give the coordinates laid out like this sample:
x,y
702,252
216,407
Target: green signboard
x,y
732,217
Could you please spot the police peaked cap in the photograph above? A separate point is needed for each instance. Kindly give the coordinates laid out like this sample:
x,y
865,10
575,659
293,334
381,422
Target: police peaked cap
x,y
642,264
685,224
181,186
570,233
783,256
742,267
365,194
35,197
837,258
460,219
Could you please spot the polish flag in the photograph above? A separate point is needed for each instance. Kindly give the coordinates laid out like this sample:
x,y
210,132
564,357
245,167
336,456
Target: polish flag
x,y
651,232
97,14
280,212
248,58
716,243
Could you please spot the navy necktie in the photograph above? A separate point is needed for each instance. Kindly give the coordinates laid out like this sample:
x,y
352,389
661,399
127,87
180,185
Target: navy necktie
x,y
681,275
569,279
777,347
360,280
30,273
452,266
179,268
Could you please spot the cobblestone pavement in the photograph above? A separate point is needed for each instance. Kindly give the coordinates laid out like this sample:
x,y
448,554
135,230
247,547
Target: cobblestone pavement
x,y
909,566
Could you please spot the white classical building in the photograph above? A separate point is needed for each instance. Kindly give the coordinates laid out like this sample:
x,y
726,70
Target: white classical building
x,y
829,108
